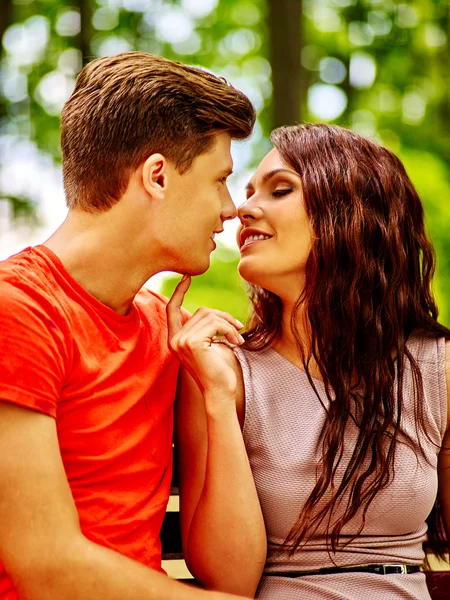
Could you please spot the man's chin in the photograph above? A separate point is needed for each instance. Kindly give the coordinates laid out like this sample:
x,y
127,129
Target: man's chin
x,y
199,268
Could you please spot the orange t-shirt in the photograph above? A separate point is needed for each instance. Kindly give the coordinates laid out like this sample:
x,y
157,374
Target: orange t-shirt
x,y
109,381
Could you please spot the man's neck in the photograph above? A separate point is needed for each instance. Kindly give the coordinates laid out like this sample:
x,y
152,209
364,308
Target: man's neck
x,y
101,258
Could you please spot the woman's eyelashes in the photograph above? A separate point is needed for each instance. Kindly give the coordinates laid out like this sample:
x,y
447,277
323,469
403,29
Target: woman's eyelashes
x,y
282,192
279,193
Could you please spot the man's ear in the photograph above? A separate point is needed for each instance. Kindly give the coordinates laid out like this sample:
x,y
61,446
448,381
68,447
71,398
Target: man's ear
x,y
154,175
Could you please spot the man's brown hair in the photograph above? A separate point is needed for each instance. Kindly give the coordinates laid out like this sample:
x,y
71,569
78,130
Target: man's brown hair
x,y
128,106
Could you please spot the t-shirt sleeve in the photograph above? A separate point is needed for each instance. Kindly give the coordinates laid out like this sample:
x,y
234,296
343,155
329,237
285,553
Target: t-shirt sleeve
x,y
32,355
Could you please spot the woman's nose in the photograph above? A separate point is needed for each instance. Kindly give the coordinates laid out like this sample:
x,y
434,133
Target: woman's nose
x,y
249,210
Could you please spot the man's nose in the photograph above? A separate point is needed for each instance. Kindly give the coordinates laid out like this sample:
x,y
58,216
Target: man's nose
x,y
229,210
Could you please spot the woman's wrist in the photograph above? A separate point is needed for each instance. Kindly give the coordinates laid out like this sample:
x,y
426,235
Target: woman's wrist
x,y
220,404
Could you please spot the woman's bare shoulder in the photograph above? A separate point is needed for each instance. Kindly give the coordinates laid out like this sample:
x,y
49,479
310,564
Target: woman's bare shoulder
x,y
447,377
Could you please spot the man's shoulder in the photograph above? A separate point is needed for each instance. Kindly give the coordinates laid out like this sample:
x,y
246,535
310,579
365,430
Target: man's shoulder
x,y
29,300
22,281
14,288
24,268
10,267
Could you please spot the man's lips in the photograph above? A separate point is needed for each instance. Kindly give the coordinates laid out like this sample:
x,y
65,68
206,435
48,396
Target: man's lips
x,y
213,235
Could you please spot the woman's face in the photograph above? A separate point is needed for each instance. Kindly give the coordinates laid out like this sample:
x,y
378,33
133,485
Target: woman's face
x,y
275,234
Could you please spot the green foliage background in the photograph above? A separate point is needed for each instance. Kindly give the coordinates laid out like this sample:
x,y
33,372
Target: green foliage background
x,y
404,104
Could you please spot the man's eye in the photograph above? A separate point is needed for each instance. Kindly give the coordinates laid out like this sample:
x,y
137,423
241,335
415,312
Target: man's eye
x,y
279,193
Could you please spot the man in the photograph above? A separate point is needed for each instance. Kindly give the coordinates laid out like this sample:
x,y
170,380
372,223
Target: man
x,y
86,378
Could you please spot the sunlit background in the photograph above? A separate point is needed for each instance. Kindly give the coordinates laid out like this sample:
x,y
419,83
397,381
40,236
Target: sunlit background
x,y
380,67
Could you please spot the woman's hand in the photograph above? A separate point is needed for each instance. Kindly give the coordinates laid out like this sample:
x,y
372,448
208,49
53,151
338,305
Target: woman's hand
x,y
196,343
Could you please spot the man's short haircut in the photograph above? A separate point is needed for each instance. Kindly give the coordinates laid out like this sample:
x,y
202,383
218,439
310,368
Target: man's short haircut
x,y
128,106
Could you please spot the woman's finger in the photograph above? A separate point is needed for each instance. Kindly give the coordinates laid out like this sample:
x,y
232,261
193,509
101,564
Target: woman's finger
x,y
173,308
206,331
205,314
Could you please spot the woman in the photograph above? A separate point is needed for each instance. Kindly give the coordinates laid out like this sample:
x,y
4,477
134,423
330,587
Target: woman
x,y
340,387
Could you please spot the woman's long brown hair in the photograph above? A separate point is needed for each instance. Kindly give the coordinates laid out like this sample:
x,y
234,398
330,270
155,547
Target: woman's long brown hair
x,y
368,287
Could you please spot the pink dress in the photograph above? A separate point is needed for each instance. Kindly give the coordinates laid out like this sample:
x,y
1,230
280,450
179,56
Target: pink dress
x,y
283,420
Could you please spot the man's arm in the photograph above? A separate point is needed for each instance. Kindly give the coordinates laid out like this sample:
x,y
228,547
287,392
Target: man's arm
x,y
41,544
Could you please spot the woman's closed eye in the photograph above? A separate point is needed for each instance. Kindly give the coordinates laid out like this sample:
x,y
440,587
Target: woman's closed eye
x,y
282,192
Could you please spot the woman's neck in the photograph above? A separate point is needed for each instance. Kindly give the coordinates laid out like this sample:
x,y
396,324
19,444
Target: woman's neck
x,y
287,342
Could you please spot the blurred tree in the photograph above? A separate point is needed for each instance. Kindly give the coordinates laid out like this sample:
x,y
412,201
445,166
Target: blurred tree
x,y
84,37
6,16
430,174
21,205
6,19
289,90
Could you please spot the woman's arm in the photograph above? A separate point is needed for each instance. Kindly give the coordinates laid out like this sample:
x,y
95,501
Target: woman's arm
x,y
223,531
222,528
444,454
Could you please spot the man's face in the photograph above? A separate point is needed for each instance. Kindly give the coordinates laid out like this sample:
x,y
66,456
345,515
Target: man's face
x,y
196,205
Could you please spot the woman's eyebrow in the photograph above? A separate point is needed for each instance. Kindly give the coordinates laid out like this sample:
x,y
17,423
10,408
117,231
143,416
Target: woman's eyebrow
x,y
265,178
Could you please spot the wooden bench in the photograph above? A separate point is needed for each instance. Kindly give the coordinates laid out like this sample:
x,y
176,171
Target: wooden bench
x,y
438,579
